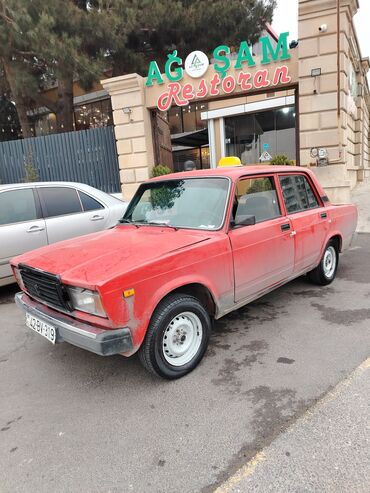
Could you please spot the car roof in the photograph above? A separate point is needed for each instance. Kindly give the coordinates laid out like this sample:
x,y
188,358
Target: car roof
x,y
43,183
99,194
233,172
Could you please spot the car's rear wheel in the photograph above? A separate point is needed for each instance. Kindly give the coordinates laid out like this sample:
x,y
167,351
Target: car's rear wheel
x,y
177,337
325,272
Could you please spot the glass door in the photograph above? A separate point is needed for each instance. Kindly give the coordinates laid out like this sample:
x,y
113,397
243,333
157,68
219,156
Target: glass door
x,y
249,135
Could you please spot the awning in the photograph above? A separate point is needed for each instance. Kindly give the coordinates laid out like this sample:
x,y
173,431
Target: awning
x,y
197,138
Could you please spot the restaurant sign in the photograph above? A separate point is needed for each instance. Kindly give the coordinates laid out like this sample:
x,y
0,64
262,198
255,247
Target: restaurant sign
x,y
197,63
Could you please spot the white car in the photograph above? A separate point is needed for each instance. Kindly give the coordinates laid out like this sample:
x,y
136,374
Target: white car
x,y
33,215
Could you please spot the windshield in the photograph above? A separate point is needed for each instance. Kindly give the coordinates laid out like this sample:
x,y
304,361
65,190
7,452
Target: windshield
x,y
197,203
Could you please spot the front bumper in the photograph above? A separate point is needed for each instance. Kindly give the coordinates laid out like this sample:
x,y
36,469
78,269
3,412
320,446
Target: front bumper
x,y
94,339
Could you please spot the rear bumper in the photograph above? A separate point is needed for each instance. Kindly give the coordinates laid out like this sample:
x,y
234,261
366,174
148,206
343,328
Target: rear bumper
x,y
94,339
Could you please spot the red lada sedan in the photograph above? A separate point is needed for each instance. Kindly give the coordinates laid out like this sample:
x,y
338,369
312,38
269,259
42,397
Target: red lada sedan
x,y
190,248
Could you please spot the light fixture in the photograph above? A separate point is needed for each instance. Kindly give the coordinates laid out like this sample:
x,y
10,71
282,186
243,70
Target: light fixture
x,y
315,72
127,111
285,110
314,152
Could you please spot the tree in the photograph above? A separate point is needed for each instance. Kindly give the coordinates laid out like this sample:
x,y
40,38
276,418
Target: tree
x,y
162,26
57,42
48,42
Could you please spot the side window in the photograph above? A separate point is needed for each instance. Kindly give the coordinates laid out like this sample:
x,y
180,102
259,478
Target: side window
x,y
17,206
298,193
59,201
256,197
88,203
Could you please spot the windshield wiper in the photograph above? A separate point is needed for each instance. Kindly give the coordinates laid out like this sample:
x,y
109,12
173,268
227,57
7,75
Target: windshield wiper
x,y
124,220
159,223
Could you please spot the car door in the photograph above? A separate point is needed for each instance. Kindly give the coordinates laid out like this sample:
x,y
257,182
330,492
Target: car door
x,y
308,217
64,214
263,253
97,213
21,226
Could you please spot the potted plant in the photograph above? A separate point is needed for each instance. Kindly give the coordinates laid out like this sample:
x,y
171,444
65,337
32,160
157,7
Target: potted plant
x,y
281,160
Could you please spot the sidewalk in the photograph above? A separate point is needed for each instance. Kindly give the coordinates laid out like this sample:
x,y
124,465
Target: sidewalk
x,y
361,197
326,450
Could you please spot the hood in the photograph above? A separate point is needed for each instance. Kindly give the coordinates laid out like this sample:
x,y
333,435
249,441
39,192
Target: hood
x,y
96,258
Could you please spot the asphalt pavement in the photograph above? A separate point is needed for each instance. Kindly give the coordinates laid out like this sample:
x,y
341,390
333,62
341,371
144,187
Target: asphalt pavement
x,y
73,421
327,449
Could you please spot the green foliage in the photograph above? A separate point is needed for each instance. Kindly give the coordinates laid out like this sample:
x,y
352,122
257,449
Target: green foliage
x,y
260,185
186,25
31,173
281,160
43,43
160,170
163,197
46,42
9,124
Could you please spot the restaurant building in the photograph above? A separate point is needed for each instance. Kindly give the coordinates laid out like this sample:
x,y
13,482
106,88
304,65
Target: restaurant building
x,y
309,101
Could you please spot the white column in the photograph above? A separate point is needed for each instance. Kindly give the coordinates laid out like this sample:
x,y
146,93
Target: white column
x,y
212,143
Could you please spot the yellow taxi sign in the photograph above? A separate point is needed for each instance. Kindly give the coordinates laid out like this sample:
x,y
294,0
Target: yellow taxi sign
x,y
128,293
229,161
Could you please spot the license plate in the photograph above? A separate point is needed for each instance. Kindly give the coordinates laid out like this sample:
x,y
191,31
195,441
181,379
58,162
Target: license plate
x,y
42,328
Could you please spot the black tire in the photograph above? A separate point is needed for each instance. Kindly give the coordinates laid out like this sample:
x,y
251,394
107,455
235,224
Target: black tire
x,y
152,351
321,275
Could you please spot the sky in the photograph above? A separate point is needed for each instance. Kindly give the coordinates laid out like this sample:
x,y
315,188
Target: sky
x,y
286,15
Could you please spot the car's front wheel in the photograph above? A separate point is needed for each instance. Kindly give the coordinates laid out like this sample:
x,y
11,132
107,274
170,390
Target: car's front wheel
x,y
177,337
325,272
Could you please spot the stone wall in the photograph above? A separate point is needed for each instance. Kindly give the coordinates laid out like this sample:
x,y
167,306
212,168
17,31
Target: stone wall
x,y
132,129
342,130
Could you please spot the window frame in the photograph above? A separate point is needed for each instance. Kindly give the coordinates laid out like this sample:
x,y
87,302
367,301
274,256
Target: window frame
x,y
39,214
310,182
278,196
43,204
103,206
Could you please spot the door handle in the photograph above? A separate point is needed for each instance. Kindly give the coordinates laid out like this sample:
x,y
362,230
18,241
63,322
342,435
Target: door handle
x,y
285,227
323,215
96,218
35,229
293,233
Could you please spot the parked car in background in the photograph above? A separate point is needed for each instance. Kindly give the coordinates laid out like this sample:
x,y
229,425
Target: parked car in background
x,y
190,248
33,215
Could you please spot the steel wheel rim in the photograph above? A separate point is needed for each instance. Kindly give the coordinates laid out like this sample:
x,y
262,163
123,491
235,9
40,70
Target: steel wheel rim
x,y
329,262
182,338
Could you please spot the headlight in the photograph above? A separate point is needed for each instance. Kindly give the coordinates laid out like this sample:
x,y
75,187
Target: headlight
x,y
87,301
18,277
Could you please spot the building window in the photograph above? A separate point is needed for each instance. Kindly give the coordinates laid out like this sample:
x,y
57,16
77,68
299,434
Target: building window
x,y
187,119
249,135
199,156
88,115
175,120
93,115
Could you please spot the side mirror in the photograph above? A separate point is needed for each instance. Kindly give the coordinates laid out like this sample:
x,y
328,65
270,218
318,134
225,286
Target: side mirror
x,y
243,221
